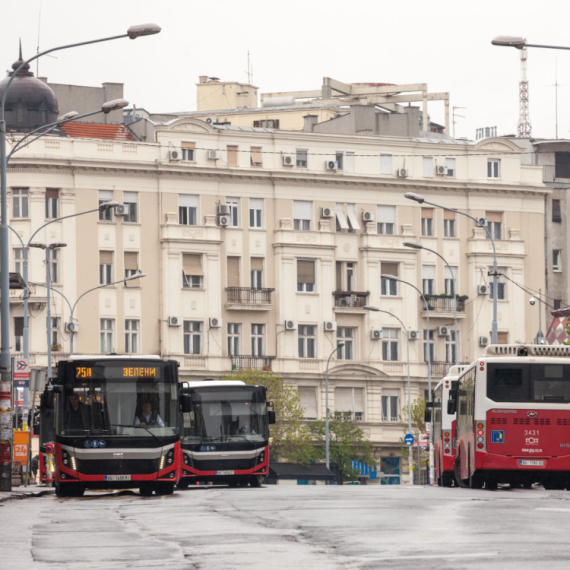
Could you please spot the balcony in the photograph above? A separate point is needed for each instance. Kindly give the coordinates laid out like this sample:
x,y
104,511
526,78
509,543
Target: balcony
x,y
440,368
445,305
248,299
351,301
250,362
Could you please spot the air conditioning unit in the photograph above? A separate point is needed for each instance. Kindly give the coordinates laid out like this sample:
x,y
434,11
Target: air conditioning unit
x,y
375,334
215,323
482,222
290,325
483,289
402,173
72,327
213,154
331,165
223,210
327,213
413,335
288,160
122,210
483,340
174,321
330,326
442,331
440,170
223,221
174,155
367,216
211,120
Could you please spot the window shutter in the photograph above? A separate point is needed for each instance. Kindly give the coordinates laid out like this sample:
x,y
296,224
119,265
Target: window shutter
x,y
502,337
255,204
351,212
187,201
52,193
494,216
556,212
385,214
105,257
340,217
257,263
343,400
428,271
308,397
232,155
427,213
131,260
358,398
233,271
105,195
448,215
385,164
427,167
130,197
256,156
450,274
305,271
339,275
192,264
389,269
188,145
302,210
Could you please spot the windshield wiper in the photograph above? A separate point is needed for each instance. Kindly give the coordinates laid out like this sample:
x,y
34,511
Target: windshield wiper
x,y
141,427
248,440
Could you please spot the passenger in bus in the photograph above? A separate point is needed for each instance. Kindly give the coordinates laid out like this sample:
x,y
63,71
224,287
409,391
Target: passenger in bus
x,y
246,427
78,415
148,417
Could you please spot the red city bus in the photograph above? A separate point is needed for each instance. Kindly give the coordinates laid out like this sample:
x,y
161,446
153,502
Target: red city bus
x,y
513,413
444,439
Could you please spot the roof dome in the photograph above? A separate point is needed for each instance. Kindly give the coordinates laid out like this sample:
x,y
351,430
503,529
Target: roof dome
x,y
30,103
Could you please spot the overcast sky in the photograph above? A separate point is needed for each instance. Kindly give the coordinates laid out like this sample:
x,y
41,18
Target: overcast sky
x,y
293,44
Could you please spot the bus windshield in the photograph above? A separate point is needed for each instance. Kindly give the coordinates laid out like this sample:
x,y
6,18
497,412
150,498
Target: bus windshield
x,y
115,399
229,415
528,382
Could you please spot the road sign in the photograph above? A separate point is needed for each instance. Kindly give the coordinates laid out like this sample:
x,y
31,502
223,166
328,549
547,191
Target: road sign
x,y
409,439
21,372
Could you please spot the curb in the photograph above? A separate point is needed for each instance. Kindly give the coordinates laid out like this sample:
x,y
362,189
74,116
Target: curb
x,y
16,495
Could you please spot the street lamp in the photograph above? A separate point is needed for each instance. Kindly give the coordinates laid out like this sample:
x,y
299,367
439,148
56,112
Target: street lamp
x,y
519,43
431,469
339,345
410,452
421,200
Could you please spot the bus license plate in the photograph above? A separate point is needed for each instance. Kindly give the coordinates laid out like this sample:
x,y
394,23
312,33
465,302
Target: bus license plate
x,y
231,472
117,477
535,463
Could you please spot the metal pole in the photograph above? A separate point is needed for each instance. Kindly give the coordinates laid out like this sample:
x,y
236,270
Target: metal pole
x,y
48,318
327,435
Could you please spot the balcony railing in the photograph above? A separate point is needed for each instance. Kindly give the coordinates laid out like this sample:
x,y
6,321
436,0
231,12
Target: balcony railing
x,y
249,362
249,296
439,304
350,299
440,368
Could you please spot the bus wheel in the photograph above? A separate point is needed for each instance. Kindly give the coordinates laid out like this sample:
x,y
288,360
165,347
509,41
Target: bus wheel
x,y
164,489
491,485
145,491
439,483
476,482
183,484
76,490
457,472
256,481
447,480
61,490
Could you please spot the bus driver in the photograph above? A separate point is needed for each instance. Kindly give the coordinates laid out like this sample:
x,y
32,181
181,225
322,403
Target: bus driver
x,y
148,417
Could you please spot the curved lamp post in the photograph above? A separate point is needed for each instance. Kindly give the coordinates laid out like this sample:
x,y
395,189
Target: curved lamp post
x,y
339,345
519,43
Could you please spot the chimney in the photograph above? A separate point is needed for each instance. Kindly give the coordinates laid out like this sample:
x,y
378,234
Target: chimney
x,y
310,122
203,79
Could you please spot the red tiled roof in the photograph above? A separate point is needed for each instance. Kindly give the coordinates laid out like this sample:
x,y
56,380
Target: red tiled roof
x,y
97,131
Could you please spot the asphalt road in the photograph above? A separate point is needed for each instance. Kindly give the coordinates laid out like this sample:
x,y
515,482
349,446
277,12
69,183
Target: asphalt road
x,y
290,527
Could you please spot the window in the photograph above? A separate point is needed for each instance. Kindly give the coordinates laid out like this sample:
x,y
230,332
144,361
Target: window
x,y
308,401
349,161
493,168
257,340
388,287
19,260
556,211
557,304
233,204
187,210
106,335
234,334
232,151
256,157
52,203
233,272
55,340
450,167
495,223
302,215
390,344
131,336
131,200
562,165
428,279
427,222
54,265
502,337
267,124
557,260
429,341
306,275
20,203
385,219
301,157
105,267
448,223
192,274
345,276
501,289
350,401
339,159
188,149
255,213
390,405
427,163
105,196
450,347
350,276
450,280
18,334
256,264
192,337
352,219
131,264
341,222
306,341
385,164
347,351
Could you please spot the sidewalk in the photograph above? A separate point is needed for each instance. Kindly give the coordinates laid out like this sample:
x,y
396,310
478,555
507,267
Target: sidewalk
x,y
22,492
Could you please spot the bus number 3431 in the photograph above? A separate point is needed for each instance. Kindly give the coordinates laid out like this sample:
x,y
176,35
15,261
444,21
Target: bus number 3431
x,y
532,432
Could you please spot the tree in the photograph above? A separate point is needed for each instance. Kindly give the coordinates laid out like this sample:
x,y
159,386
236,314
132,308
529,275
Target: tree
x,y
290,439
346,443
418,426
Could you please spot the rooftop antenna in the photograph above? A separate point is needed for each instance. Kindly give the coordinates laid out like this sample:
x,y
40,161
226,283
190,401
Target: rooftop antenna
x,y
556,86
524,126
454,114
249,70
38,48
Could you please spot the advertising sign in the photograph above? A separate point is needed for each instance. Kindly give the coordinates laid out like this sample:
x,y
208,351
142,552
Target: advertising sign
x,y
21,443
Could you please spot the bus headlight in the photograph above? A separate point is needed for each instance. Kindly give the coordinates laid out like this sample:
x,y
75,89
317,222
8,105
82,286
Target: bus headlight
x,y
261,458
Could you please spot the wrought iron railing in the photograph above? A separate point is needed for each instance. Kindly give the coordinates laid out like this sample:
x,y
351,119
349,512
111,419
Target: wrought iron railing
x,y
249,296
251,362
440,304
350,298
440,368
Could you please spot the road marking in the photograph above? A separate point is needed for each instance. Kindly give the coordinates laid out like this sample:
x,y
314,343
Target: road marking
x,y
445,556
553,509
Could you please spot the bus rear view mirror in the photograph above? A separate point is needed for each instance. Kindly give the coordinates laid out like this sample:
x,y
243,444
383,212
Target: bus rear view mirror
x,y
271,416
455,385
186,403
451,407
427,415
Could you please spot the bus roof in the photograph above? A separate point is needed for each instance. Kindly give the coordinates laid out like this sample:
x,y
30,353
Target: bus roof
x,y
521,350
113,357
